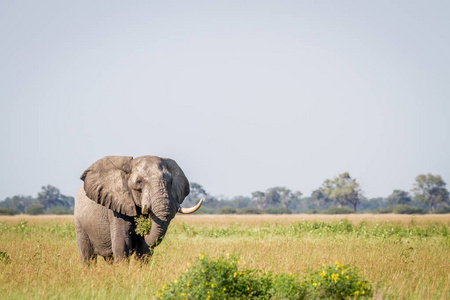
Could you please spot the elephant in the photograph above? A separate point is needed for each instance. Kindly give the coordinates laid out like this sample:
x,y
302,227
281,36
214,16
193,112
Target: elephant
x,y
115,190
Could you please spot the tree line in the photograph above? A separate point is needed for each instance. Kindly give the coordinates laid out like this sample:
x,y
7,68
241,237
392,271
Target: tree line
x,y
48,201
341,194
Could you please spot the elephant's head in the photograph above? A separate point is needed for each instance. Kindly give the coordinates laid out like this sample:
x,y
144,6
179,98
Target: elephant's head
x,y
146,184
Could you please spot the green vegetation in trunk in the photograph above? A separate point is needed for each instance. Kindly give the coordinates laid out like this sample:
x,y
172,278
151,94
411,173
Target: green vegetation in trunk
x,y
143,224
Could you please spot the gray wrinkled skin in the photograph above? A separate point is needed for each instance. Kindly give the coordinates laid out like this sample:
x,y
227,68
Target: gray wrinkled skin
x,y
114,191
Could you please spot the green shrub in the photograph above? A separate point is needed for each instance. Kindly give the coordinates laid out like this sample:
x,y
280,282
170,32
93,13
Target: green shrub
x,y
250,211
59,211
336,282
277,210
338,210
222,278
444,209
8,211
405,209
216,279
143,224
34,209
226,210
286,286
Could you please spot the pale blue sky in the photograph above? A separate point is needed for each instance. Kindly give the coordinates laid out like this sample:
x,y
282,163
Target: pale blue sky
x,y
244,95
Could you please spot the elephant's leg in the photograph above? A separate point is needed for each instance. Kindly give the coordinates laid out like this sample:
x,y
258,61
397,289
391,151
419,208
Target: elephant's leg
x,y
85,248
121,229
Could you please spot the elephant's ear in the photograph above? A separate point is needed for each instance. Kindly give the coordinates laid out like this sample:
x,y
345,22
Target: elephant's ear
x,y
105,182
180,184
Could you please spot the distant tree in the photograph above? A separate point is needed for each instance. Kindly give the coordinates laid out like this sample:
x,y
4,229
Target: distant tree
x,y
241,201
373,203
399,197
49,197
276,197
17,203
320,199
34,209
258,198
431,190
343,189
197,193
69,202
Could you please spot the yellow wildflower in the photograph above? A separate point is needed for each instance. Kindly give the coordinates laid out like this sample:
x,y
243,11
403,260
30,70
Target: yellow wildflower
x,y
347,277
212,284
234,275
189,283
183,294
323,274
224,289
314,284
357,293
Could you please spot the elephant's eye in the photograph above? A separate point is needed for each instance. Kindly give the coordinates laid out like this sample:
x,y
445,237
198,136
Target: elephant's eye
x,y
138,183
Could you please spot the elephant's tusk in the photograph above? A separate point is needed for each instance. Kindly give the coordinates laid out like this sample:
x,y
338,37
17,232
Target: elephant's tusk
x,y
192,209
144,209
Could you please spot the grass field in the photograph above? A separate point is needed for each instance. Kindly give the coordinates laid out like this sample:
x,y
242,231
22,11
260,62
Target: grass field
x,y
403,256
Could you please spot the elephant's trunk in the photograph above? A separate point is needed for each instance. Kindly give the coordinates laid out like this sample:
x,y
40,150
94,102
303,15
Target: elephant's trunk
x,y
157,232
162,210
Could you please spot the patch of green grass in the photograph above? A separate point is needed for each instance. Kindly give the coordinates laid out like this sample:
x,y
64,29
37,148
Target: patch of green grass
x,y
317,228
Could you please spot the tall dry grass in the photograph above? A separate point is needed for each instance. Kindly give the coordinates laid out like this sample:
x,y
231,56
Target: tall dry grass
x,y
45,262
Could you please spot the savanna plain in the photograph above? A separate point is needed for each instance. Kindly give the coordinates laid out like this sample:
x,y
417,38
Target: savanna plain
x,y
404,257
